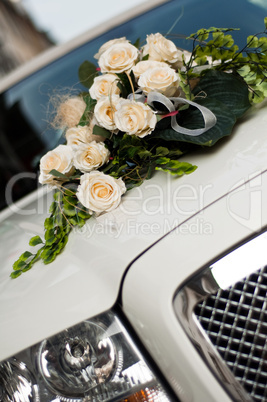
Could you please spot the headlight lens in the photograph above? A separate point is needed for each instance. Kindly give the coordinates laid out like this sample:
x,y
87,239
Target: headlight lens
x,y
92,361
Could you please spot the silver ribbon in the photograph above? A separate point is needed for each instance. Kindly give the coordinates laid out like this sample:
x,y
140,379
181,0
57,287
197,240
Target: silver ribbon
x,y
208,116
137,96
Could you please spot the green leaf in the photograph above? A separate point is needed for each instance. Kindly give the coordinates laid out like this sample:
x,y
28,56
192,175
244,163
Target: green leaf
x,y
62,244
57,195
77,220
50,237
263,87
69,209
97,130
84,214
137,43
201,61
70,200
244,70
35,240
87,73
58,219
19,265
144,154
49,233
88,112
192,119
25,255
177,168
120,170
265,22
69,193
150,171
130,184
15,274
162,161
263,44
202,35
49,257
22,260
49,223
162,151
226,88
175,152
132,151
125,83
257,96
218,37
60,175
55,173
146,57
252,41
27,268
46,253
53,207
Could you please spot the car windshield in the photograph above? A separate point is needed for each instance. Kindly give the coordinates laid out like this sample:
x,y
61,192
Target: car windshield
x,y
26,132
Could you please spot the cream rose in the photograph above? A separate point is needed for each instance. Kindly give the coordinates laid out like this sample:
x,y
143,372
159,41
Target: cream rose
x,y
104,112
135,118
118,58
100,192
161,79
144,65
104,85
60,159
78,135
161,49
91,156
109,43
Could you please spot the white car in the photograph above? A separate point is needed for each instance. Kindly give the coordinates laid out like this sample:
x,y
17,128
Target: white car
x,y
162,299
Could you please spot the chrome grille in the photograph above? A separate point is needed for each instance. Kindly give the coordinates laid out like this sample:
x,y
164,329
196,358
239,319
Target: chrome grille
x,y
235,320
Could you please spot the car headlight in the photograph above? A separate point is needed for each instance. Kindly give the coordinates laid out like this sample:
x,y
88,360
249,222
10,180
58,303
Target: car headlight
x,y
95,360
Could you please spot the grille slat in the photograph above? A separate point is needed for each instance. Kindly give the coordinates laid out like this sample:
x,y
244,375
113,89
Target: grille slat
x,y
235,320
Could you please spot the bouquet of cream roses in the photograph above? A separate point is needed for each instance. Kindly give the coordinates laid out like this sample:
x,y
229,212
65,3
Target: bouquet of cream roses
x,y
144,108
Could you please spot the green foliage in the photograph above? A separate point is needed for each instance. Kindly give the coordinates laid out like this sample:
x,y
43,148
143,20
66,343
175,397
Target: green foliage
x,y
35,240
227,87
146,57
225,95
62,176
137,159
66,212
137,43
87,73
88,113
219,47
97,130
250,62
126,83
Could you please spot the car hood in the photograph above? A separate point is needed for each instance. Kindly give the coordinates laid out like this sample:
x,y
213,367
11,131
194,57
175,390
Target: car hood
x,y
85,279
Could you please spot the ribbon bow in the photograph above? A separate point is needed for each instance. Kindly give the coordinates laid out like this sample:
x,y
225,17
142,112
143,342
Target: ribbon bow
x,y
208,116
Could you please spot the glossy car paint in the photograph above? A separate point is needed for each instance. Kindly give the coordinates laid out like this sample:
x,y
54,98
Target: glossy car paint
x,y
94,264
211,209
166,266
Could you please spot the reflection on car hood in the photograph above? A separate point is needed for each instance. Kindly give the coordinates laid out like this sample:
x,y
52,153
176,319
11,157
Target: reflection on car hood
x,y
85,279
